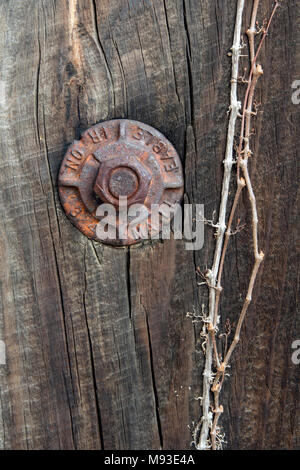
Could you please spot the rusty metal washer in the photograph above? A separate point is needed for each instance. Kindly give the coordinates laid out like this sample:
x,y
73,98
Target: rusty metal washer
x,y
113,159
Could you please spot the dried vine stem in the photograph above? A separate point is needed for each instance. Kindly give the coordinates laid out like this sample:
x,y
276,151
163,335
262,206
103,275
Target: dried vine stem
x,y
215,275
243,155
247,111
212,275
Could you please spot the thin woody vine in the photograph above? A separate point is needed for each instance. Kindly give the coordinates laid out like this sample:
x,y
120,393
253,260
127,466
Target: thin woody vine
x,y
241,127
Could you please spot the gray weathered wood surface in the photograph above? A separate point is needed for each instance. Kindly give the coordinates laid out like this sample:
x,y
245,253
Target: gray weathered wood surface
x,y
99,351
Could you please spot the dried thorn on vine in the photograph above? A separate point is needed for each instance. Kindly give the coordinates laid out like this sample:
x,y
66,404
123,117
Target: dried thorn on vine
x,y
227,327
256,105
239,228
242,78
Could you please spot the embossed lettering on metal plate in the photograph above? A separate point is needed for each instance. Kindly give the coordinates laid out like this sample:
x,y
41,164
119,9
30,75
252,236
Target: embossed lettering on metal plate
x,y
113,159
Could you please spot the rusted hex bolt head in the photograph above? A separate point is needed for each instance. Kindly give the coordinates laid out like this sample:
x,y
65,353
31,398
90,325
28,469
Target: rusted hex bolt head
x,y
114,160
122,176
123,182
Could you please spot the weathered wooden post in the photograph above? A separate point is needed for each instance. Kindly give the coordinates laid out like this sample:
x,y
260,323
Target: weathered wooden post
x,y
99,351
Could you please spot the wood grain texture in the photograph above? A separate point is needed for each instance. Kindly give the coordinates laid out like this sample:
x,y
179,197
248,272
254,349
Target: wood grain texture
x,y
100,354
